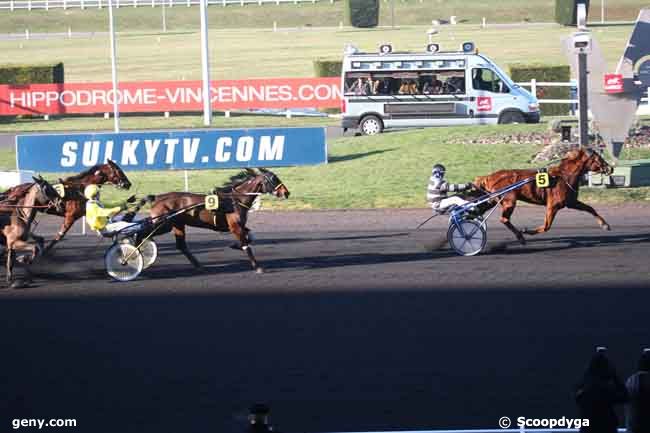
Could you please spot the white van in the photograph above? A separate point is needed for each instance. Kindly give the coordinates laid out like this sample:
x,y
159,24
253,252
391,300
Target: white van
x,y
397,90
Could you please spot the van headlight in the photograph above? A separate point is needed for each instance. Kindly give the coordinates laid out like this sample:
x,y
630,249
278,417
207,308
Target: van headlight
x,y
533,106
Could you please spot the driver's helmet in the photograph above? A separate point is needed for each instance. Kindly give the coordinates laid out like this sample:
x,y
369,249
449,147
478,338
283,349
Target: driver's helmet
x,y
91,192
438,171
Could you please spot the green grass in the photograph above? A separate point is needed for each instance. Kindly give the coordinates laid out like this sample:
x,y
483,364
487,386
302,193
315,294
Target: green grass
x,y
407,12
386,171
239,54
159,122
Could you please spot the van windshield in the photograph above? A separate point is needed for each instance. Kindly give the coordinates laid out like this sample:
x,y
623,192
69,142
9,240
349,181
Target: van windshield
x,y
426,82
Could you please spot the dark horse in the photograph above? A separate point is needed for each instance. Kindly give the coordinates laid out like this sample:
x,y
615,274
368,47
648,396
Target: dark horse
x,y
562,191
74,200
235,199
17,215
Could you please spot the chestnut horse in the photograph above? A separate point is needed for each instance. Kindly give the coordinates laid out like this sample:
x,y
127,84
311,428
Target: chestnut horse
x,y
562,191
17,225
74,200
235,199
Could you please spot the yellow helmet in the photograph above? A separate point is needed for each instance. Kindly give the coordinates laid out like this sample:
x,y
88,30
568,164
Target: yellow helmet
x,y
91,191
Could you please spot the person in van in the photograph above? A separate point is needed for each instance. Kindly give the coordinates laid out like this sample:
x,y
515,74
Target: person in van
x,y
479,82
432,87
384,86
359,87
404,88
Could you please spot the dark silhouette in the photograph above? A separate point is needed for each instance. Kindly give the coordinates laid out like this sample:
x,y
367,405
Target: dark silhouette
x,y
258,419
598,393
637,411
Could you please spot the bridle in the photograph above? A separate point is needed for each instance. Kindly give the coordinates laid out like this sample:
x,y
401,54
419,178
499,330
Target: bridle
x,y
267,183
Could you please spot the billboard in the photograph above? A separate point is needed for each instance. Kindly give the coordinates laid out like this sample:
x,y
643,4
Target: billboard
x,y
170,150
162,96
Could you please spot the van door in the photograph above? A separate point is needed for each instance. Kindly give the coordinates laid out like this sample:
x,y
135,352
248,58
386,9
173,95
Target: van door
x,y
490,95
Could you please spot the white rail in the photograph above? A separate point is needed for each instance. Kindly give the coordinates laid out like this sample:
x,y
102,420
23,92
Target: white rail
x,y
13,5
644,109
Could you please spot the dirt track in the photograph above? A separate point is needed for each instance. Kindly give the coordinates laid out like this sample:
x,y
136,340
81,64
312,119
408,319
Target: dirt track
x,y
356,325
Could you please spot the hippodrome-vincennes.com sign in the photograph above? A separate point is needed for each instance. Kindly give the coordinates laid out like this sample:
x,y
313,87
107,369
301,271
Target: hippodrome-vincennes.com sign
x,y
170,96
163,150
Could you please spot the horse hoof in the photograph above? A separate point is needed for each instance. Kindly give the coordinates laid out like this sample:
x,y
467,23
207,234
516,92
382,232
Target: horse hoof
x,y
606,227
259,270
18,284
521,240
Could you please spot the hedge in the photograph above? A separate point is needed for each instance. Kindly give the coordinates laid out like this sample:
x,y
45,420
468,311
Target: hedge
x,y
565,11
549,73
327,68
361,13
31,74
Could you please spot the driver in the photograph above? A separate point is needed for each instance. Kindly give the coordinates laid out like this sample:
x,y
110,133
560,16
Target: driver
x,y
102,219
438,189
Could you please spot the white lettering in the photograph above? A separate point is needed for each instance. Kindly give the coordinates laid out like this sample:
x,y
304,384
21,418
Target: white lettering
x,y
108,154
69,152
271,151
220,154
23,100
128,152
244,148
90,153
149,96
151,147
171,145
173,97
190,148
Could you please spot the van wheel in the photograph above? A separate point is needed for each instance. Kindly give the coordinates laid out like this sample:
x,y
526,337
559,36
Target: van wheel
x,y
511,117
371,125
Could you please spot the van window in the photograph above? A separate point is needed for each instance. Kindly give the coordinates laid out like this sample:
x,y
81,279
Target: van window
x,y
486,79
431,82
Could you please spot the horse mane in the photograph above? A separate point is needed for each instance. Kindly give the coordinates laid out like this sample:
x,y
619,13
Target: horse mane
x,y
83,174
17,192
238,179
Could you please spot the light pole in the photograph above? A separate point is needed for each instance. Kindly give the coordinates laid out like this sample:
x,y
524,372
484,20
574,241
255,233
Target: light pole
x,y
111,24
205,65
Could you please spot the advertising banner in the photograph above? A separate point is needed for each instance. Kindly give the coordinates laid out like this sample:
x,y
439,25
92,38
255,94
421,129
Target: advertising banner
x,y
171,150
171,96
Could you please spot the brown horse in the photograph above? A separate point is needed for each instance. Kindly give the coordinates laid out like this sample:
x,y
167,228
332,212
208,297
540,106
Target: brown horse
x,y
236,198
74,200
562,191
17,226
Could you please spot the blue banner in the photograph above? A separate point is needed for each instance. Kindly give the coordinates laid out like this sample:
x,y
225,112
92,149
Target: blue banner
x,y
173,150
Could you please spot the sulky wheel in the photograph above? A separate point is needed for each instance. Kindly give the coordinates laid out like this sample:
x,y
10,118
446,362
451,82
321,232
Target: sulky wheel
x,y
148,250
468,238
123,262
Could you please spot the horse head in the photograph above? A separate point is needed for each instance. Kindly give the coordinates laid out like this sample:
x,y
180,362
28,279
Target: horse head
x,y
114,175
46,195
271,184
583,160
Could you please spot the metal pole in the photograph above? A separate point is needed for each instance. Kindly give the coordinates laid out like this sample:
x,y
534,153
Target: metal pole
x,y
602,11
392,14
164,17
205,64
582,98
116,110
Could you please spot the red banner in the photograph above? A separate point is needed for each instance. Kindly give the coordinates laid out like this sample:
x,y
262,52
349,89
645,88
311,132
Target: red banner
x,y
161,96
613,83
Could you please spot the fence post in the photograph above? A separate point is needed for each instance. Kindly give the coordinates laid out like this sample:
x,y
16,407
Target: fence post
x,y
11,5
83,6
533,87
188,3
135,3
47,5
29,5
99,4
153,3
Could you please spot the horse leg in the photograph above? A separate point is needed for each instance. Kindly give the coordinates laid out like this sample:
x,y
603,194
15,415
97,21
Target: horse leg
x,y
11,256
551,211
578,205
68,222
179,233
241,233
507,208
